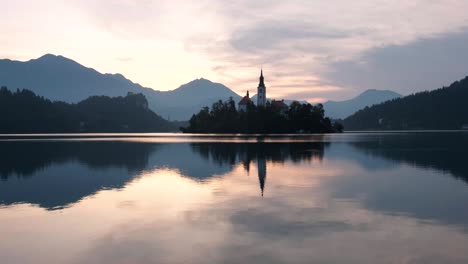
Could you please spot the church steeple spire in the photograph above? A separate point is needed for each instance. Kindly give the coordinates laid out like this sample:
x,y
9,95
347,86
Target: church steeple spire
x,y
261,90
262,83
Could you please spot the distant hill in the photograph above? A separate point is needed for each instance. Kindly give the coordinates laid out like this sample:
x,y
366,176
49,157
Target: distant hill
x,y
444,108
286,101
181,103
24,112
62,79
343,109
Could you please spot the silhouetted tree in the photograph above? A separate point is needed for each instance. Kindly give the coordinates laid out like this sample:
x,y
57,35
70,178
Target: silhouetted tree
x,y
224,118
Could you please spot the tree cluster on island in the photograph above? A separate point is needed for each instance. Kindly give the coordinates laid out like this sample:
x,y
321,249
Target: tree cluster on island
x,y
223,117
444,108
23,111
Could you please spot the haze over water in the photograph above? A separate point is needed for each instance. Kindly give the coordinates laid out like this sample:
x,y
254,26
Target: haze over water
x,y
340,198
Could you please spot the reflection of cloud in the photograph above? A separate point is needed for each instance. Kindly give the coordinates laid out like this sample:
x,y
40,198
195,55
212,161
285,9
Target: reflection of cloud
x,y
234,228
128,204
300,220
395,193
269,224
405,175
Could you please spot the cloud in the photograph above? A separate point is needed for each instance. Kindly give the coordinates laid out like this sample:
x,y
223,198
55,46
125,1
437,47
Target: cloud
x,y
274,34
425,64
125,59
300,39
228,41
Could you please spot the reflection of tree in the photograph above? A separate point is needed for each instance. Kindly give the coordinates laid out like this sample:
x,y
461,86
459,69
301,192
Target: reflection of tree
x,y
233,153
446,152
24,158
56,174
261,153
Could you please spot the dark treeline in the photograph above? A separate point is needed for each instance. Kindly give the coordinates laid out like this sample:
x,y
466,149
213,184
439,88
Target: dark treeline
x,y
444,108
24,112
223,117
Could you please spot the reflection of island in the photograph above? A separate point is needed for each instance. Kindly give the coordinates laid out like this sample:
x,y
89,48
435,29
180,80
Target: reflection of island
x,y
260,153
54,174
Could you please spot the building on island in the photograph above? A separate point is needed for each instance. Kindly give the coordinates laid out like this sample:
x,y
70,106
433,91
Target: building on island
x,y
280,105
244,102
261,91
262,99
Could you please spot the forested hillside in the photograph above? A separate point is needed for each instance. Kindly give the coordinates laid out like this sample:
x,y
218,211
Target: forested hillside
x,y
61,79
444,108
25,112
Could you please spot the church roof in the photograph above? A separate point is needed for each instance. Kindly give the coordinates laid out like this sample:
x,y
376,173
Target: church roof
x,y
279,104
245,100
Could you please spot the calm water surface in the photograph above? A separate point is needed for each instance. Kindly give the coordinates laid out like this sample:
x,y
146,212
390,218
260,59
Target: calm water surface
x,y
348,198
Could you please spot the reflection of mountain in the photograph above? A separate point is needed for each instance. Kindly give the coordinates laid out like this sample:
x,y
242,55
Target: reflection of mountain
x,y
340,151
421,193
54,174
24,158
446,152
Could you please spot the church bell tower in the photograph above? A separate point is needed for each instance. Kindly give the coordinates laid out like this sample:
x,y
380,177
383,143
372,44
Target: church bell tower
x,y
261,91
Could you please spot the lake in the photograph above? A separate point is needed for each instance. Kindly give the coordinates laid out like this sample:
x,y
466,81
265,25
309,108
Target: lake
x,y
398,197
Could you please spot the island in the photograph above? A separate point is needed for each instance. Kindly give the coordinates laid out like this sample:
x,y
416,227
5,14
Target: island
x,y
264,117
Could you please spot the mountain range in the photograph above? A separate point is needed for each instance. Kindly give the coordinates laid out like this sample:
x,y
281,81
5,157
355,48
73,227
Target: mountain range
x,y
61,79
343,109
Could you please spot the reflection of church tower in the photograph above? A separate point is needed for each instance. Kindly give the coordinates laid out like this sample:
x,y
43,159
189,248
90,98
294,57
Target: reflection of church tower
x,y
246,165
261,91
261,165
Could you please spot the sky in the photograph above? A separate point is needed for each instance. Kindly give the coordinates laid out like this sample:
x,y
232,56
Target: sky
x,y
313,50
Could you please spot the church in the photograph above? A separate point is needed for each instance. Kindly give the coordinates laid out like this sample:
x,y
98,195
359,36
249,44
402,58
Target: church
x,y
261,98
